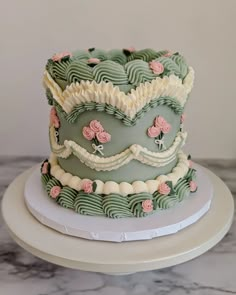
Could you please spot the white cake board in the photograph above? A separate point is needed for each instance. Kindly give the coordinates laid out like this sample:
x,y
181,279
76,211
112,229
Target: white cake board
x,y
116,258
68,222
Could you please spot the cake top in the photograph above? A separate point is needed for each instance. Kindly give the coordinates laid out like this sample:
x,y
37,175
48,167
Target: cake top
x,y
125,68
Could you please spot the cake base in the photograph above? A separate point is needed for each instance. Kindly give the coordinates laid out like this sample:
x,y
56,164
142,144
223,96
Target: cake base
x,y
159,224
116,258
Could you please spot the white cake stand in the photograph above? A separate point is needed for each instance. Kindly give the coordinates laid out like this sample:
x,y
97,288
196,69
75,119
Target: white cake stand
x,y
117,258
101,228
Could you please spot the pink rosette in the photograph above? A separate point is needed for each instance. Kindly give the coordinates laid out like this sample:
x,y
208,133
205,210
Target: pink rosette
x,y
88,133
45,168
160,122
53,113
153,131
164,189
59,56
103,137
94,60
96,126
190,164
168,53
130,49
54,120
156,67
55,191
87,186
147,206
166,128
193,186
182,118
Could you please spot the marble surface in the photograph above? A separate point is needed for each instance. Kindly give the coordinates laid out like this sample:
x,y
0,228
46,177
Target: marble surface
x,y
213,273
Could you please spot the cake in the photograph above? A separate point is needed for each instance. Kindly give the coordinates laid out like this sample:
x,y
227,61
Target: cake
x,y
116,131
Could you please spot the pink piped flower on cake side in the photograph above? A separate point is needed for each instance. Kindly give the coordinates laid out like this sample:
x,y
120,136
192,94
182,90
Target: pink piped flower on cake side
x,y
160,121
103,137
159,128
97,134
190,163
164,189
45,168
88,133
153,131
94,60
156,67
55,191
87,186
147,206
193,186
54,120
96,126
59,56
182,118
166,128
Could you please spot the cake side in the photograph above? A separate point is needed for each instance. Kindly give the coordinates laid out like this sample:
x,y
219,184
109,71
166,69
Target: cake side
x,y
116,130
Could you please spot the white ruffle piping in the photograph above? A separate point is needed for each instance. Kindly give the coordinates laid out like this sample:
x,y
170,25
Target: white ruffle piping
x,y
130,103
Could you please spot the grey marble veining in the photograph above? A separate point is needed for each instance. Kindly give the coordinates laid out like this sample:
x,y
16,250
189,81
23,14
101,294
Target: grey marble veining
x,y
213,273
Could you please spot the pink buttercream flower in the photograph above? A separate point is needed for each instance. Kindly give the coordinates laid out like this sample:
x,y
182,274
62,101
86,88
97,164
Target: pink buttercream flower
x,y
130,49
45,168
153,131
168,53
54,118
103,136
193,186
164,189
190,164
53,111
166,128
156,67
59,56
55,191
147,206
88,133
87,186
160,122
56,122
94,60
96,126
182,118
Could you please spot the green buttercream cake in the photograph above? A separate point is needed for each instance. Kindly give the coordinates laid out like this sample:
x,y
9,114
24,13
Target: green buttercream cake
x,y
116,131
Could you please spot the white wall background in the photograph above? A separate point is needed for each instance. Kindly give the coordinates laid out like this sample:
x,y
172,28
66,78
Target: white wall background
x,y
204,31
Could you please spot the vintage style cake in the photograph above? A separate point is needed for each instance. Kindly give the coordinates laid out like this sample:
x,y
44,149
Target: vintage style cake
x,y
116,131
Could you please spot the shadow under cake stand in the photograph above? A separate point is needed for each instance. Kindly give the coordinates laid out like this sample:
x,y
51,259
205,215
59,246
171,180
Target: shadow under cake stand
x,y
117,258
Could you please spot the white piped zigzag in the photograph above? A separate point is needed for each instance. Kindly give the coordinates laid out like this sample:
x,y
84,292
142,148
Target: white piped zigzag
x,y
131,103
123,188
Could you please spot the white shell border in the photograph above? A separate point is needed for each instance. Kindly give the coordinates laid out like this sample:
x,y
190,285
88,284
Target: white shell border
x,y
123,188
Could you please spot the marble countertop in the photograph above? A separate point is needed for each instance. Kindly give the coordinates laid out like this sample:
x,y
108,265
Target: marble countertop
x,y
213,273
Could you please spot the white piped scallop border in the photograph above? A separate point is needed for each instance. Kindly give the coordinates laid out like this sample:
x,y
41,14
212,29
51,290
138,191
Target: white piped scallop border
x,y
134,152
123,188
131,103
